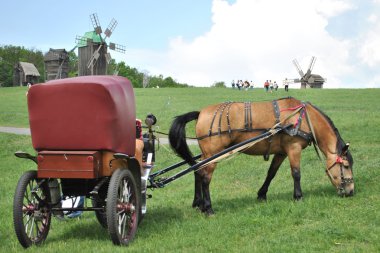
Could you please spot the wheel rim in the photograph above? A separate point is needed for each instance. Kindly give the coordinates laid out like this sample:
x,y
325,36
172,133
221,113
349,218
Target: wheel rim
x,y
126,210
35,215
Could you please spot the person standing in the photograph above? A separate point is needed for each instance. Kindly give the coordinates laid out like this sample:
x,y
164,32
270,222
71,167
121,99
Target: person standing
x,y
266,86
246,85
286,83
271,86
275,86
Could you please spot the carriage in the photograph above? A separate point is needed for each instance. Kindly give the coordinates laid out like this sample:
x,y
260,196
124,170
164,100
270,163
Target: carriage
x,y
84,132
90,145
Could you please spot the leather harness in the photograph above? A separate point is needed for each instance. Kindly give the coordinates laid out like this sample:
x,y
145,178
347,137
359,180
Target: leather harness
x,y
248,123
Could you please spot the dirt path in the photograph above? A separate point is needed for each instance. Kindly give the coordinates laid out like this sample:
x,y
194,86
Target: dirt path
x,y
26,131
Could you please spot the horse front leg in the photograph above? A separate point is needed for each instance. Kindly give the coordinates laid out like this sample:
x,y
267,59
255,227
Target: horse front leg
x,y
296,174
295,159
273,168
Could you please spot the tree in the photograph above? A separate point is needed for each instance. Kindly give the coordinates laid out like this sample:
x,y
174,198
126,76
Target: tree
x,y
11,55
73,64
219,85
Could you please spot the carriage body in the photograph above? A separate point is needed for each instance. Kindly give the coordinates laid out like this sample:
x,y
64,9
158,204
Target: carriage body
x,y
84,132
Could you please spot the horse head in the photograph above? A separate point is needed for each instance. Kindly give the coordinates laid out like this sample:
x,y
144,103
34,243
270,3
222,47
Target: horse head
x,y
340,172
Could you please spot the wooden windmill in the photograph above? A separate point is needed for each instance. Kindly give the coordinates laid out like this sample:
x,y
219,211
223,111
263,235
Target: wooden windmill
x,y
57,63
93,49
308,79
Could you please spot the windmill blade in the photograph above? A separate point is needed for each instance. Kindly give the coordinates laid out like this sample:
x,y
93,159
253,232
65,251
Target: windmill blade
x,y
290,81
94,57
72,49
111,27
295,62
312,62
95,23
82,41
117,47
108,57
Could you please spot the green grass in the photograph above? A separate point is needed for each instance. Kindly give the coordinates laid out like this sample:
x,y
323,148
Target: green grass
x,y
321,222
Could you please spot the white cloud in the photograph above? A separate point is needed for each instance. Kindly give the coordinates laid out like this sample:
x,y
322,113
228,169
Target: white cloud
x,y
331,8
257,40
372,18
370,50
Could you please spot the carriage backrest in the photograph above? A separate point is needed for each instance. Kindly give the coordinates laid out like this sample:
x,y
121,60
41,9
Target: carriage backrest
x,y
83,113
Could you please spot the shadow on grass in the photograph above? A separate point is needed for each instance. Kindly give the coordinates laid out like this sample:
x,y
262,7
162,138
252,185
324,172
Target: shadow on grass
x,y
162,218
78,230
235,205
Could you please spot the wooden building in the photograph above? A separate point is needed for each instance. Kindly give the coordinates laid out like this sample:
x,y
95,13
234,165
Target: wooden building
x,y
92,54
56,64
24,73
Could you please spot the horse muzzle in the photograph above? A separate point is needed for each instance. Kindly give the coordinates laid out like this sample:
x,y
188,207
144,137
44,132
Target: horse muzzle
x,y
346,189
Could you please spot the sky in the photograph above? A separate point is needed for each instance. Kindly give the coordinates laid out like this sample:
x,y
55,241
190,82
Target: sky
x,y
200,42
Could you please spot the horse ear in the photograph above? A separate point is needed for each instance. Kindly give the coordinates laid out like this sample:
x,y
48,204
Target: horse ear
x,y
345,148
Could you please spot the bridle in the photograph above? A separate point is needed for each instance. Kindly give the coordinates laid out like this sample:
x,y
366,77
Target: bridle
x,y
341,160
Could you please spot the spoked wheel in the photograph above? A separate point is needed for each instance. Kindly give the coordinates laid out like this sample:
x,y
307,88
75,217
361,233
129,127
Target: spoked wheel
x,y
31,213
123,207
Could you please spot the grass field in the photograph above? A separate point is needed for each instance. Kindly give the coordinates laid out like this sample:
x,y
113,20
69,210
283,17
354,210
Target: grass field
x,y
321,222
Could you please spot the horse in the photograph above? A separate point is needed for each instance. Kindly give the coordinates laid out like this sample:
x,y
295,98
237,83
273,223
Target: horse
x,y
299,125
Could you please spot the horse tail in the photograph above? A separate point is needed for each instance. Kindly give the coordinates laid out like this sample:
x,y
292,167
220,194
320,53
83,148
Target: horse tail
x,y
177,136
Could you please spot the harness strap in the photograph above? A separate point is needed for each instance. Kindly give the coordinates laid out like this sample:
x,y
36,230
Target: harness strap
x,y
213,119
250,115
220,116
247,116
231,131
228,119
315,142
276,111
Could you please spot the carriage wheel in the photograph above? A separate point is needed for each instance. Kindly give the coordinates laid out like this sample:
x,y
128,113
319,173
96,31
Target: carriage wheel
x,y
123,207
101,216
31,214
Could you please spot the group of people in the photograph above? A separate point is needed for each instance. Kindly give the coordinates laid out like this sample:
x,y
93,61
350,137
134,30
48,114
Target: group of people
x,y
240,85
269,86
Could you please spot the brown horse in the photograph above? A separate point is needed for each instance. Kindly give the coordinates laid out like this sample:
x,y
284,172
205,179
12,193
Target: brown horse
x,y
223,125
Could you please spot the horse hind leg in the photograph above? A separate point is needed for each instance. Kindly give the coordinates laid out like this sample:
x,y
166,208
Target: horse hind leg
x,y
198,196
202,197
272,171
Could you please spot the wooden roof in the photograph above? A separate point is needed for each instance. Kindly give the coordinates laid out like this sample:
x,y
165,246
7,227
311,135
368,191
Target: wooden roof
x,y
29,69
55,55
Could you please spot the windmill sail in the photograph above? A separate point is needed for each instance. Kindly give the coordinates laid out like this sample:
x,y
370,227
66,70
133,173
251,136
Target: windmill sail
x,y
295,62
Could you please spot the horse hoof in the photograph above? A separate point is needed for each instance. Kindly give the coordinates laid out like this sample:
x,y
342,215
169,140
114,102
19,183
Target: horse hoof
x,y
197,205
297,198
262,198
209,212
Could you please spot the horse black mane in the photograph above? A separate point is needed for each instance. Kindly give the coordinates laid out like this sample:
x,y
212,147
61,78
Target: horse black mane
x,y
340,143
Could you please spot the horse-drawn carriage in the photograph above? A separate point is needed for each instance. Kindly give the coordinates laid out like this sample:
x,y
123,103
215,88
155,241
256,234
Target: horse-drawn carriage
x,y
89,143
84,132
